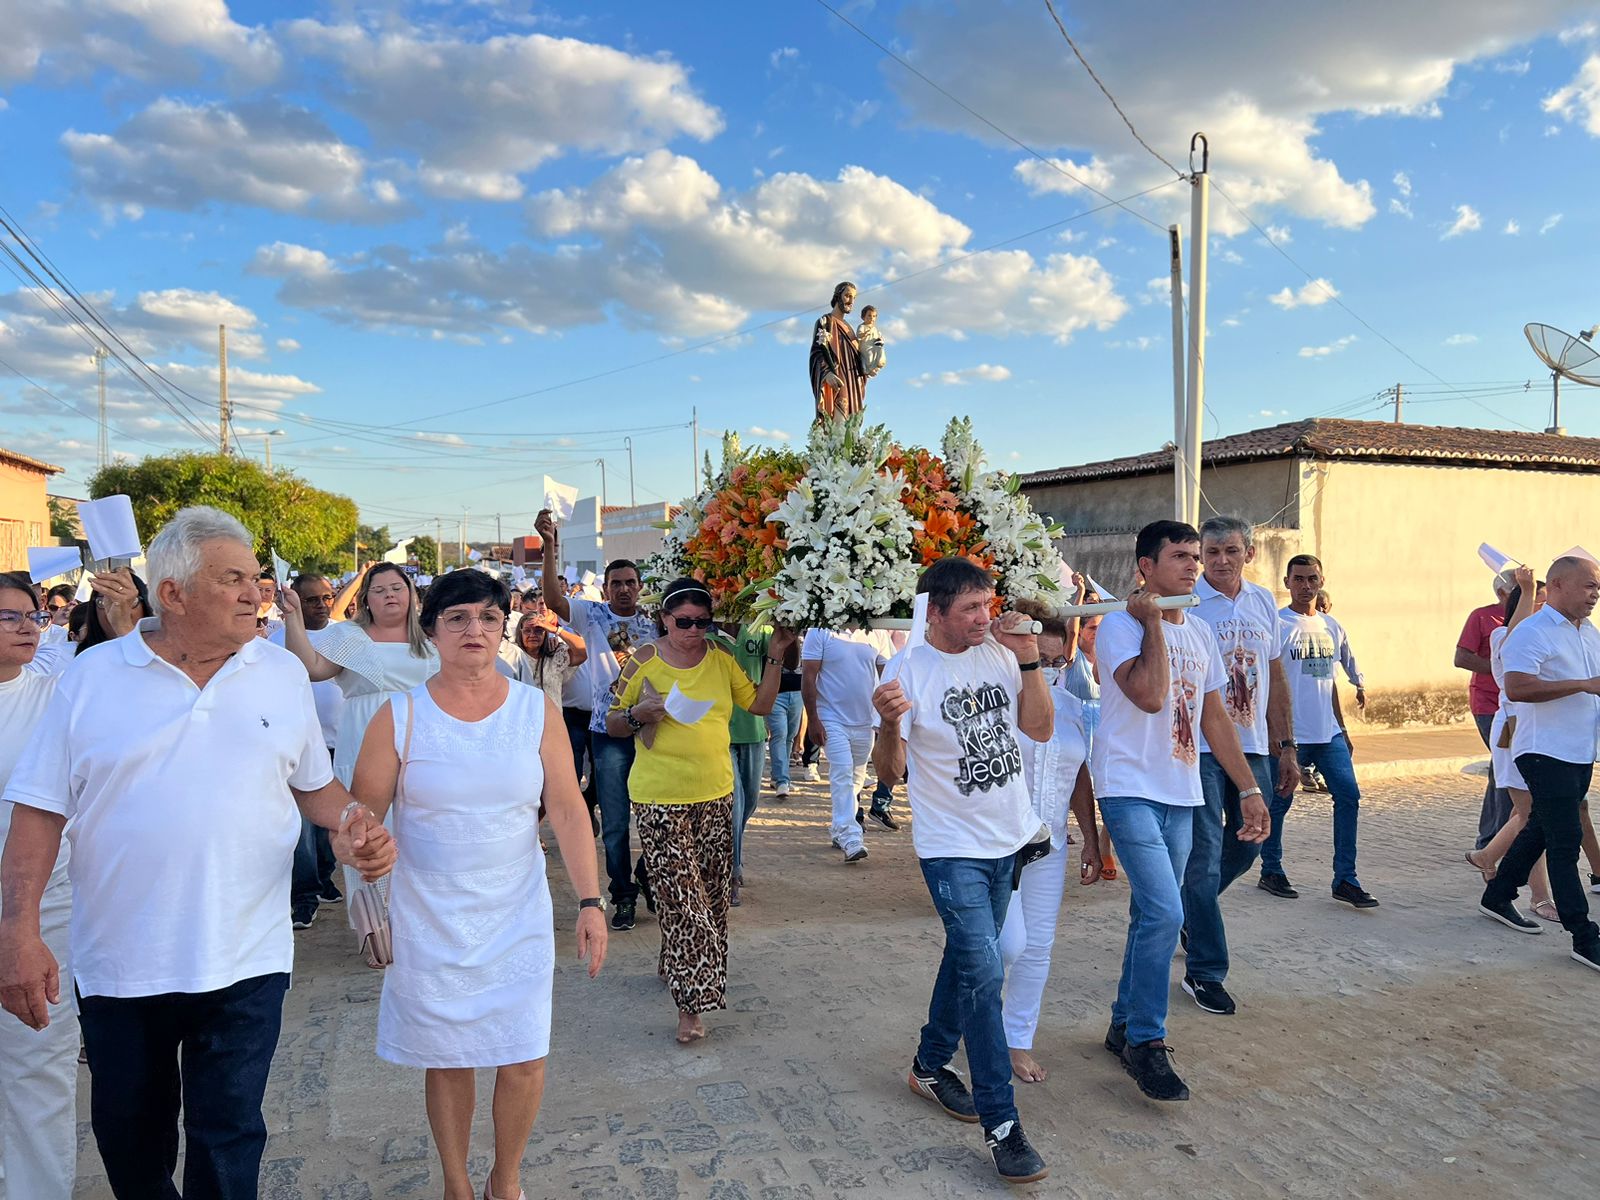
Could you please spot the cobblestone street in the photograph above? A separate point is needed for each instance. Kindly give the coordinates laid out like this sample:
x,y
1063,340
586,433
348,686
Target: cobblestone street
x,y
1401,1051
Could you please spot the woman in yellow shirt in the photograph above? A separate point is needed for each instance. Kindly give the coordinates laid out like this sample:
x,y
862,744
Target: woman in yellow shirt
x,y
682,787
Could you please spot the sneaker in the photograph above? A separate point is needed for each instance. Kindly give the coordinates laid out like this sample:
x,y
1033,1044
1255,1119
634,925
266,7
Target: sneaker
x,y
1151,1067
944,1088
1278,885
1589,956
855,855
1211,997
1116,1038
861,816
303,919
808,772
1183,943
880,813
331,896
1311,780
1594,882
624,914
781,793
1506,913
1353,895
1015,1159
733,896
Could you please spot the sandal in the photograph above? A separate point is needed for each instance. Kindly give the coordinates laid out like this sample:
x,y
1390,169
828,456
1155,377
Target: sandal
x,y
1109,872
1488,873
1545,910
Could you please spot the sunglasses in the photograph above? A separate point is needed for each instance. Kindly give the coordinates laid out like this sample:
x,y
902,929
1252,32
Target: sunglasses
x,y
692,622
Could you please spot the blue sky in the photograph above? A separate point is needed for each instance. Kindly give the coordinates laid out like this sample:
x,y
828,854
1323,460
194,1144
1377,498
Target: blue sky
x,y
408,213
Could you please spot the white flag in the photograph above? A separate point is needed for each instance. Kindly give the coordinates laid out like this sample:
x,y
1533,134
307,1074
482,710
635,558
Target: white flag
x,y
46,562
474,556
109,526
1580,552
1496,560
560,499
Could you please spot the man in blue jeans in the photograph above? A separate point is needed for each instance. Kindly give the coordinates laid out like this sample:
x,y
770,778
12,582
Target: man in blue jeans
x,y
1314,644
1244,619
1161,684
950,710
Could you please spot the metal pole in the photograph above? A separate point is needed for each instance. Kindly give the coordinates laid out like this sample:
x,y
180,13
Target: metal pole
x,y
461,545
601,463
1555,402
266,443
1180,430
633,500
100,356
694,471
1398,399
498,535
222,384
438,545
1199,231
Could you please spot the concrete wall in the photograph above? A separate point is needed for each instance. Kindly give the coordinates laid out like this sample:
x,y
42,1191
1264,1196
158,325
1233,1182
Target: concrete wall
x,y
24,515
634,533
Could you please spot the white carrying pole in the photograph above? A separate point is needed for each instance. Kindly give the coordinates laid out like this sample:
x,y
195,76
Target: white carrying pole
x,y
1199,230
1098,609
1180,425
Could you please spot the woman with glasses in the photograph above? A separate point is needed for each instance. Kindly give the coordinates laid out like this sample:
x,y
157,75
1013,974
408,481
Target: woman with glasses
x,y
548,655
682,787
38,1069
116,604
464,759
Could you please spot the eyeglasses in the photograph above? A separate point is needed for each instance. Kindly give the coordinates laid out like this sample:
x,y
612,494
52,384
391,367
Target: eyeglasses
x,y
692,622
62,607
11,620
400,590
457,622
323,599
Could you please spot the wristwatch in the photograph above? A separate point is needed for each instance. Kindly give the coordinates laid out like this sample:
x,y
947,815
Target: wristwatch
x,y
1287,744
1028,666
633,722
593,902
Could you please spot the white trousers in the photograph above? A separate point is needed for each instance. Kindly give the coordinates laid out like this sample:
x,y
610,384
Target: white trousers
x,y
1026,940
849,750
39,1080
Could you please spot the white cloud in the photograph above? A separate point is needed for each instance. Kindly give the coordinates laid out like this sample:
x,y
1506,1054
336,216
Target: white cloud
x,y
1467,220
1015,456
782,55
1324,351
1461,339
1549,223
481,114
1579,101
1513,227
287,345
982,373
1399,207
1279,234
1138,343
1402,183
441,439
1312,294
1517,66
1063,176
179,156
771,435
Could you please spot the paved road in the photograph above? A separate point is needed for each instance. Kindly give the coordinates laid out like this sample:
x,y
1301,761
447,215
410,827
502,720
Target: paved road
x,y
1414,1050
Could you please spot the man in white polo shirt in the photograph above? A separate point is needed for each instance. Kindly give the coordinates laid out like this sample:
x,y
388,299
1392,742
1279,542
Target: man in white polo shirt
x,y
184,756
1552,671
1243,616
1161,683
838,672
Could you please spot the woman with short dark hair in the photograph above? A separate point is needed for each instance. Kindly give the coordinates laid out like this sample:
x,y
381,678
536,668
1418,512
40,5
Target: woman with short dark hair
x,y
682,787
464,759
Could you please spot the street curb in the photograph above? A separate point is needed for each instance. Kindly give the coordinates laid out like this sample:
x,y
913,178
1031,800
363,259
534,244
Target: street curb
x,y
1403,768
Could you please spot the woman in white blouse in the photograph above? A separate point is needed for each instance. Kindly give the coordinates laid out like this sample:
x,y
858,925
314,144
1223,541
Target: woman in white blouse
x,y
549,655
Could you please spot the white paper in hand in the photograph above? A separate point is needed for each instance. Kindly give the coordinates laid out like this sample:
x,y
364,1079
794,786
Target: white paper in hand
x,y
1580,552
109,526
1496,560
560,499
85,588
46,562
1103,593
684,710
280,570
919,622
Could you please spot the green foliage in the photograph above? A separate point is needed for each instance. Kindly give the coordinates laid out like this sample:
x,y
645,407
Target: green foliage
x,y
426,551
63,525
375,541
309,528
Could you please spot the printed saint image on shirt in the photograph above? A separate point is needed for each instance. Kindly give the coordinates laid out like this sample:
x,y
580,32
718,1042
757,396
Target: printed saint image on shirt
x,y
980,717
1183,743
1240,694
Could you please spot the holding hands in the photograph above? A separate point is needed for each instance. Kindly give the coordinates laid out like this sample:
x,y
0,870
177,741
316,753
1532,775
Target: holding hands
x,y
363,843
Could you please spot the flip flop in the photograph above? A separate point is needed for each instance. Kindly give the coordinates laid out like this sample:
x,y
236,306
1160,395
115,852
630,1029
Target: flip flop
x,y
1545,910
1108,872
1488,873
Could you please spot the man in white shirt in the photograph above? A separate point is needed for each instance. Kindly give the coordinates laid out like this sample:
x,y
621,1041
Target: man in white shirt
x,y
180,754
1243,617
1552,671
950,717
1313,644
610,629
838,672
1161,686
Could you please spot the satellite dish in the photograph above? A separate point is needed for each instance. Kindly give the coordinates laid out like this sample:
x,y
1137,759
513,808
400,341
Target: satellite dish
x,y
1568,357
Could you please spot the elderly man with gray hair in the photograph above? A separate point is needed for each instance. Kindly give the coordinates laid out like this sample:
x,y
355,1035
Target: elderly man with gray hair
x,y
183,756
1483,696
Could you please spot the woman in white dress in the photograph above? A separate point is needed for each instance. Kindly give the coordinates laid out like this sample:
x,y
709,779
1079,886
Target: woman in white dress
x,y
464,759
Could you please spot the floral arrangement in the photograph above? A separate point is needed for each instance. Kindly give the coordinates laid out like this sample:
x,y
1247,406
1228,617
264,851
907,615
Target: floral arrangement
x,y
944,526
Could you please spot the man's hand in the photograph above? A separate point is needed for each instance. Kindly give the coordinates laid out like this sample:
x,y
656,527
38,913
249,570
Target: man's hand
x,y
818,733
30,978
1524,578
592,939
1142,607
362,842
890,702
545,526
780,642
1025,646
289,602
1256,820
1288,771
1089,872
1361,700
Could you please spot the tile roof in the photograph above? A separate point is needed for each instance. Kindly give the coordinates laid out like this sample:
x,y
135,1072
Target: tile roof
x,y
24,460
1376,441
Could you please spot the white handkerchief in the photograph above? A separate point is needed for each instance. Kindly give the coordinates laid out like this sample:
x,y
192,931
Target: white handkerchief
x,y
109,526
559,498
684,710
46,562
280,570
919,621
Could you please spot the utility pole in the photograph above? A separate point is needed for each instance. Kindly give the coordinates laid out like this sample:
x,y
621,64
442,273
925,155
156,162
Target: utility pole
x,y
438,545
266,444
100,357
498,536
1199,232
1397,399
601,463
222,384
461,546
633,501
1180,409
694,463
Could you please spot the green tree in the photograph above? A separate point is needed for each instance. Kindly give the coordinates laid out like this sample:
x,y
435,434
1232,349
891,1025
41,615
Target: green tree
x,y
309,528
63,521
375,541
426,551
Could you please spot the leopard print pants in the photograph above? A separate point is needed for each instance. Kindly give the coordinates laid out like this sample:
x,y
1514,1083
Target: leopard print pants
x,y
688,851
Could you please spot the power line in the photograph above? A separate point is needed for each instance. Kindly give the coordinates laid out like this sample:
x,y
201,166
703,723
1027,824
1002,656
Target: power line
x,y
1105,91
74,408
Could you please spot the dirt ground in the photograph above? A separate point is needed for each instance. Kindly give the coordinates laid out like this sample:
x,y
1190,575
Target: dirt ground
x,y
1416,1049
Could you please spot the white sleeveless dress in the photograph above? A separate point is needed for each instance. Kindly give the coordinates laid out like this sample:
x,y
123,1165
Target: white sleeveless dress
x,y
469,905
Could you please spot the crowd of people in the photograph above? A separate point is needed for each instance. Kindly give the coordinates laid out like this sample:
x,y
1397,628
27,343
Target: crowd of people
x,y
196,733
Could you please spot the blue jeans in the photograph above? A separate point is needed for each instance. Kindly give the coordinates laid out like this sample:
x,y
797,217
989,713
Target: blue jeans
x,y
613,759
783,723
1216,858
577,722
971,896
1152,841
747,758
205,1054
314,867
1333,760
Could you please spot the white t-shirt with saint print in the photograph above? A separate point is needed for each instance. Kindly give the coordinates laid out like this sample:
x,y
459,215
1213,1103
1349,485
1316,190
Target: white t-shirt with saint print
x,y
1154,756
1249,640
964,775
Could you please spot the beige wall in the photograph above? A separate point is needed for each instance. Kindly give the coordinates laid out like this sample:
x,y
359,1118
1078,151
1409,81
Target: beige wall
x,y
634,533
24,516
